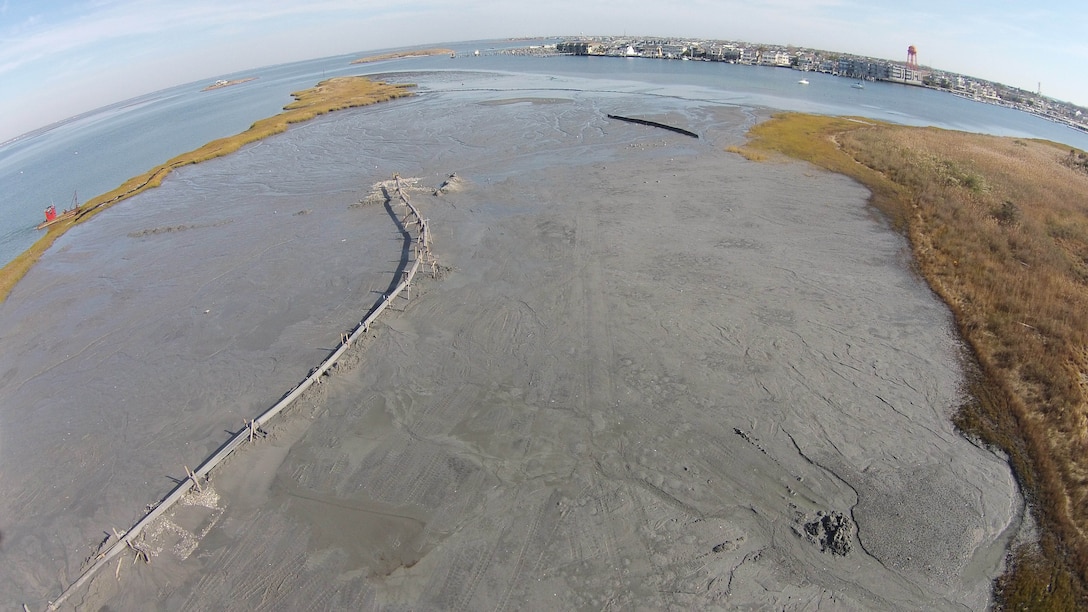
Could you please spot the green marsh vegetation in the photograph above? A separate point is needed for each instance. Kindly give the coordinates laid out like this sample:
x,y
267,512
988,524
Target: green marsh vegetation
x,y
999,229
327,96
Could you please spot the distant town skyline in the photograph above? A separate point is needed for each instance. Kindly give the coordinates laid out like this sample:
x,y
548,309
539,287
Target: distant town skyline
x,y
60,58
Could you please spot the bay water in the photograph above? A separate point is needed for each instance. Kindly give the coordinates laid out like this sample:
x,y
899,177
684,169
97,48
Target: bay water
x,y
97,151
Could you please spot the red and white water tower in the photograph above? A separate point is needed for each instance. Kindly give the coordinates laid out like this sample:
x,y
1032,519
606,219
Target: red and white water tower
x,y
912,58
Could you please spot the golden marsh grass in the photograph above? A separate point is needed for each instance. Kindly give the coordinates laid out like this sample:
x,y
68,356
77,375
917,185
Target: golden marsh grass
x,y
999,229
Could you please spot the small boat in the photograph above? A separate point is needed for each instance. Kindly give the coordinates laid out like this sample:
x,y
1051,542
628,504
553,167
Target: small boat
x,y
858,86
52,217
803,82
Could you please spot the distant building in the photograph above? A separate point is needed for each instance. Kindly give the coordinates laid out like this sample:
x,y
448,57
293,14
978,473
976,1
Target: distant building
x,y
858,68
578,47
777,58
722,53
899,73
807,62
672,50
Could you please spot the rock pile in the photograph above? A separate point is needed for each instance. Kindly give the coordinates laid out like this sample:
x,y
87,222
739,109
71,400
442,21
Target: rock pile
x,y
831,531
452,183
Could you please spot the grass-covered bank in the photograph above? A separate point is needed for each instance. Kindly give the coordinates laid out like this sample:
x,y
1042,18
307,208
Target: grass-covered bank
x,y
327,96
999,229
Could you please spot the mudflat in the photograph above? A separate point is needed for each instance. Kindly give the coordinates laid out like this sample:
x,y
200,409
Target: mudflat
x,y
649,374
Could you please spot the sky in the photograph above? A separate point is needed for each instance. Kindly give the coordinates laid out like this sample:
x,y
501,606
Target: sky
x,y
60,58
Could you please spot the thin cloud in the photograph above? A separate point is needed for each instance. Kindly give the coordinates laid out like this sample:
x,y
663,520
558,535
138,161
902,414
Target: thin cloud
x,y
38,38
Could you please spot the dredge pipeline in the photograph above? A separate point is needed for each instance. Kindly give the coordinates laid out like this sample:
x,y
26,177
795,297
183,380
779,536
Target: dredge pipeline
x,y
655,124
127,541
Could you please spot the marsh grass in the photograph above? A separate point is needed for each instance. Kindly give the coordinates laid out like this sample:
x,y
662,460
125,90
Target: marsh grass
x,y
747,153
999,229
327,96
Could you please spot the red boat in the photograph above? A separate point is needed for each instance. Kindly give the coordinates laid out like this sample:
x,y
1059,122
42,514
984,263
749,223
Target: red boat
x,y
52,217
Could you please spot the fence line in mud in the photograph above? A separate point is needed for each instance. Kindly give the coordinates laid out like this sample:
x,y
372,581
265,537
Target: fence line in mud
x,y
127,540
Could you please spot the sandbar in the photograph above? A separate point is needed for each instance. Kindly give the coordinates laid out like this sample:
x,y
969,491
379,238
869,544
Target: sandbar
x,y
401,55
222,84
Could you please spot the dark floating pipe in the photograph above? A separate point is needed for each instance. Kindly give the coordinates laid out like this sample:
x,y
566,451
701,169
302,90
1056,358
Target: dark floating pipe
x,y
655,124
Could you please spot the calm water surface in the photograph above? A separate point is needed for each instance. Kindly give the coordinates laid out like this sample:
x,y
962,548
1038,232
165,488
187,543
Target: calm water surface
x,y
97,152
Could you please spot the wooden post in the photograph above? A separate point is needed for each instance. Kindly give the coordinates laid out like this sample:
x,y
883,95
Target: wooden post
x,y
140,552
192,477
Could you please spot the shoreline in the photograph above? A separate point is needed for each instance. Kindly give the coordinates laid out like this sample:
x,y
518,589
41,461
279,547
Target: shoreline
x,y
1012,403
327,96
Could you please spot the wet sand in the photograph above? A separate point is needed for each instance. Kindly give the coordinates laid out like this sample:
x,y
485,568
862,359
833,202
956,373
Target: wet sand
x,y
647,372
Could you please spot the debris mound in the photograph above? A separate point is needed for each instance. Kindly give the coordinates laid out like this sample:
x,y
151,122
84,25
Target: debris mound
x,y
831,532
452,183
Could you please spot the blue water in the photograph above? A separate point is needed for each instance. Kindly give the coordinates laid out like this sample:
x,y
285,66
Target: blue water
x,y
98,151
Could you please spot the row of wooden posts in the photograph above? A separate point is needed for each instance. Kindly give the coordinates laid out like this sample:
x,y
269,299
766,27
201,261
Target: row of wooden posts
x,y
127,540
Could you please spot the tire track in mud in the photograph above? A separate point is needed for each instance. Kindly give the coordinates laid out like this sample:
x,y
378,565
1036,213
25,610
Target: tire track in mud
x,y
467,570
248,571
598,540
515,576
439,417
593,323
